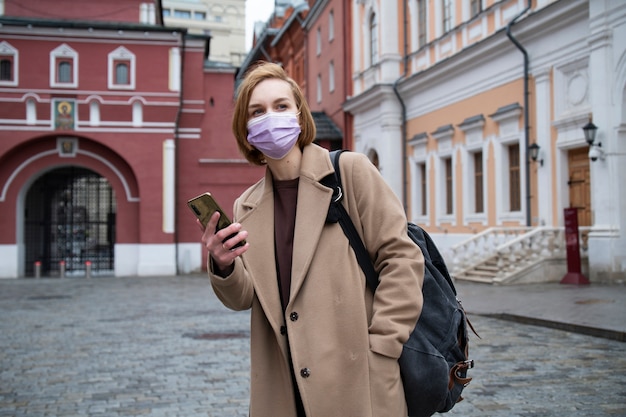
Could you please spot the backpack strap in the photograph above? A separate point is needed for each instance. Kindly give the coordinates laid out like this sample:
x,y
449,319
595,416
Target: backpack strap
x,y
337,213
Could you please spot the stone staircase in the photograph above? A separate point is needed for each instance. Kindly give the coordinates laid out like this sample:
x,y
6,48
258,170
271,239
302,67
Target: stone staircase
x,y
515,255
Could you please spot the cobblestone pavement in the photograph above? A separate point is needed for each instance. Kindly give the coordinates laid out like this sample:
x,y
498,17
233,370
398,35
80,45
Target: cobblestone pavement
x,y
166,347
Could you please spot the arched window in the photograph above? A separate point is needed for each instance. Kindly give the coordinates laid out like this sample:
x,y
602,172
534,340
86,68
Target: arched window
x,y
137,113
31,112
373,32
121,73
94,113
64,72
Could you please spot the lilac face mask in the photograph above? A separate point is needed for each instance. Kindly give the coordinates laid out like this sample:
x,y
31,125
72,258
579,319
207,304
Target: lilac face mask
x,y
274,134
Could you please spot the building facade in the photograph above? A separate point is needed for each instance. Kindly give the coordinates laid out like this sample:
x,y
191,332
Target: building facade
x,y
223,21
107,128
453,95
308,39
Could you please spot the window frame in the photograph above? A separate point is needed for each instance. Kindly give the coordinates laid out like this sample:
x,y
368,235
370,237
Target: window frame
x,y
319,88
447,15
423,192
182,14
121,55
11,55
422,23
514,177
448,171
318,37
476,8
61,55
478,169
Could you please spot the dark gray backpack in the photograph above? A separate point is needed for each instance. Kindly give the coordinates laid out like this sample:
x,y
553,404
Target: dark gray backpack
x,y
434,361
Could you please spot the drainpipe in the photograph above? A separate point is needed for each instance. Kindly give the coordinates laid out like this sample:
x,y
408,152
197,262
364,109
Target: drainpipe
x,y
403,106
526,93
176,145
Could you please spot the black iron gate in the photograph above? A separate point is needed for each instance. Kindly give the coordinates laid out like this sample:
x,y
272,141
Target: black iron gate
x,y
69,223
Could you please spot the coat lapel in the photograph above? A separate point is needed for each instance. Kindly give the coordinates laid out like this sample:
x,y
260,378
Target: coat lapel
x,y
313,202
311,211
260,260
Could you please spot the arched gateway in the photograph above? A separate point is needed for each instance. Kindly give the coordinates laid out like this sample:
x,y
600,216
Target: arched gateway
x,y
69,223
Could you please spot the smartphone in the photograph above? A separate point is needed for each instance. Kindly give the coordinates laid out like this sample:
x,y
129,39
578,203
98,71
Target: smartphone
x,y
203,207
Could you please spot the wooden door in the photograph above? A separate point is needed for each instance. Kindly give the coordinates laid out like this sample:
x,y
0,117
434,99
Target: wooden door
x,y
579,184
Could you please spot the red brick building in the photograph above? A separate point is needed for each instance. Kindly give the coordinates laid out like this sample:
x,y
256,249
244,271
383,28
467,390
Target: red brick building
x,y
109,122
311,40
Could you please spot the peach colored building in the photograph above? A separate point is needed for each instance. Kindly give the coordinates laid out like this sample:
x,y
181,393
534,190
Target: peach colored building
x,y
451,97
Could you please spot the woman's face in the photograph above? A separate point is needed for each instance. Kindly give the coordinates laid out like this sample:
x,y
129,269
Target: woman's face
x,y
271,95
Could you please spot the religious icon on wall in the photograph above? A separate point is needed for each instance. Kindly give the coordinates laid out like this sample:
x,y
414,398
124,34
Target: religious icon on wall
x,y
64,114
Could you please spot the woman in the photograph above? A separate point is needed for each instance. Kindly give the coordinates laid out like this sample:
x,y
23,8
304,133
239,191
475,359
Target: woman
x,y
321,343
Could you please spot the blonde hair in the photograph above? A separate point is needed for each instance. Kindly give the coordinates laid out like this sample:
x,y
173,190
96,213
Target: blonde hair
x,y
264,71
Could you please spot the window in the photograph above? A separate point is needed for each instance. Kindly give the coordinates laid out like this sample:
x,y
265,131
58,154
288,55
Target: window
x,y
331,26
137,113
8,64
31,112
199,15
121,73
514,178
423,190
319,88
449,183
476,7
447,16
64,71
94,113
167,12
121,70
318,38
373,32
331,77
421,23
64,67
478,183
6,69
182,14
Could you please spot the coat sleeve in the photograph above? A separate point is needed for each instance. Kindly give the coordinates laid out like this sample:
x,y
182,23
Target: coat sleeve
x,y
235,291
380,218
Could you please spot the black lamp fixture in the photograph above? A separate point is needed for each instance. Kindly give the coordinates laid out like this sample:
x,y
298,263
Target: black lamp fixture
x,y
595,149
534,153
590,133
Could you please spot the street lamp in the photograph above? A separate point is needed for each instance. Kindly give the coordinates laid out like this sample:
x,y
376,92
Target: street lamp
x,y
595,150
534,153
590,133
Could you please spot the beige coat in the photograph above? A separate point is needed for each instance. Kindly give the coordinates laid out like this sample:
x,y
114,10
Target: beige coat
x,y
344,342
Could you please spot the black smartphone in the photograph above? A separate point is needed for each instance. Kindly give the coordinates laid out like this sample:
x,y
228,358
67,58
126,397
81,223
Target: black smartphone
x,y
203,207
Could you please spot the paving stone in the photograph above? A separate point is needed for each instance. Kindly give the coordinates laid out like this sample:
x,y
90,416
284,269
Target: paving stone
x,y
165,346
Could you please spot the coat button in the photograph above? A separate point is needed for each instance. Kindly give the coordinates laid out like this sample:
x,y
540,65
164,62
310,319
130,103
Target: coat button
x,y
283,330
293,316
305,372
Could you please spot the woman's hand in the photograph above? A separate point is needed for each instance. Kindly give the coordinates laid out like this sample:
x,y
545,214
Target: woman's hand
x,y
222,250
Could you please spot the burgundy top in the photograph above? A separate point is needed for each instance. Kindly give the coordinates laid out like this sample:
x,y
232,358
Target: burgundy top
x,y
285,202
